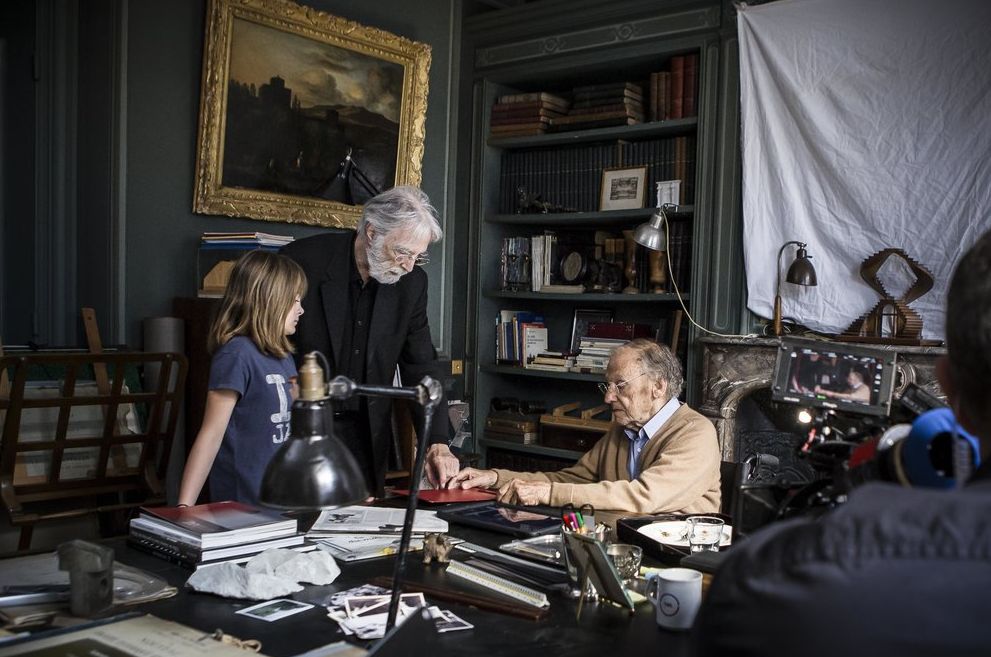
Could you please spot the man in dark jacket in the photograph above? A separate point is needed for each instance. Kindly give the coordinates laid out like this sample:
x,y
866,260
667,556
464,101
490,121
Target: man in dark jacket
x,y
893,571
366,311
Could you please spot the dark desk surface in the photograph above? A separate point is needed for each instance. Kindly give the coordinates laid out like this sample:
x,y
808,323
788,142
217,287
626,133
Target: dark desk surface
x,y
602,630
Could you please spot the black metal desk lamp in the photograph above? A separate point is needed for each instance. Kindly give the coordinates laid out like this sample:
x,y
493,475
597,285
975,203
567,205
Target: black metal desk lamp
x,y
313,469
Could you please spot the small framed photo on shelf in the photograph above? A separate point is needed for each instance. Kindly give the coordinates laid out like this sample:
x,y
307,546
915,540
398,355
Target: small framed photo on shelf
x,y
668,191
623,189
584,317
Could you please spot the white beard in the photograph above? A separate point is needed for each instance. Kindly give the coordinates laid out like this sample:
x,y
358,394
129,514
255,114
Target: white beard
x,y
380,265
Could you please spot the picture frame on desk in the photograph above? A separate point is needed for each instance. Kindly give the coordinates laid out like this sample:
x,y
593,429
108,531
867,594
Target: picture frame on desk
x,y
338,104
583,317
623,188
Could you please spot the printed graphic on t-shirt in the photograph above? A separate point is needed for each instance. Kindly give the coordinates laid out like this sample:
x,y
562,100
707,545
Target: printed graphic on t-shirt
x,y
280,419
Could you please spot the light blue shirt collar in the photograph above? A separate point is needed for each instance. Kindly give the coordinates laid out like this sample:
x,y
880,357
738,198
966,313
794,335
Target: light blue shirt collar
x,y
639,439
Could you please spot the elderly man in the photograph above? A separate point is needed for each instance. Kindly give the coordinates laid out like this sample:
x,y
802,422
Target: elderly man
x,y
893,571
367,313
659,455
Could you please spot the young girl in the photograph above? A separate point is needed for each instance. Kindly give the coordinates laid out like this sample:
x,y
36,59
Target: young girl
x,y
252,380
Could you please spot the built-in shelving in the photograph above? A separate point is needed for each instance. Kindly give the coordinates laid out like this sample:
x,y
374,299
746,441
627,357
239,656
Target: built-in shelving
x,y
669,128
606,220
540,450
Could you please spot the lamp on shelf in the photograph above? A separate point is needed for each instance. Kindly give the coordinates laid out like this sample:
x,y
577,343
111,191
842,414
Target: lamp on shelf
x,y
314,469
800,272
653,233
348,173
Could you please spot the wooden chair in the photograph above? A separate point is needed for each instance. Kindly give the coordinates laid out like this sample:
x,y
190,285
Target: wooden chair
x,y
76,448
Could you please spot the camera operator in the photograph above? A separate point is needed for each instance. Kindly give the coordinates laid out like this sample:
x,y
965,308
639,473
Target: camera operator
x,y
893,571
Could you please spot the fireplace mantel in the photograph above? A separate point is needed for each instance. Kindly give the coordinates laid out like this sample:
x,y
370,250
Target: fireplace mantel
x,y
735,368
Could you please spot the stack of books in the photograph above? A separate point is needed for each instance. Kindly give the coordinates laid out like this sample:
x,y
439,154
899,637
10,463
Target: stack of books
x,y
594,354
603,105
243,240
551,361
520,115
207,534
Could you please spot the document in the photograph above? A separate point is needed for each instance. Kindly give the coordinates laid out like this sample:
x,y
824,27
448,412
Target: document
x,y
374,520
142,636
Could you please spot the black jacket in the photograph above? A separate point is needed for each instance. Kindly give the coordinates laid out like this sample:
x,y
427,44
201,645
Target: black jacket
x,y
893,571
399,333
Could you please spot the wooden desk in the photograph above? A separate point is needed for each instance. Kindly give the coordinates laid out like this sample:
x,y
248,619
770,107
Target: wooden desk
x,y
602,630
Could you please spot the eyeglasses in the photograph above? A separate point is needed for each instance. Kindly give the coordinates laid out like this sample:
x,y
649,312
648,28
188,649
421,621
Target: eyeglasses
x,y
604,388
406,256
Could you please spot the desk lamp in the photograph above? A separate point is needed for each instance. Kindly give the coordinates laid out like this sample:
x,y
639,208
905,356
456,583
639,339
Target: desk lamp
x,y
314,470
800,272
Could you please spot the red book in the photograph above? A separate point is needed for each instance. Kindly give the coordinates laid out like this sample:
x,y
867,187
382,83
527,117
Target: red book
x,y
215,524
448,495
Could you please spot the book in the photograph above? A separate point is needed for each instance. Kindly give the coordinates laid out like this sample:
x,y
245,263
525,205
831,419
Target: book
x,y
217,524
133,636
374,520
189,555
358,547
589,117
530,97
234,554
677,87
256,238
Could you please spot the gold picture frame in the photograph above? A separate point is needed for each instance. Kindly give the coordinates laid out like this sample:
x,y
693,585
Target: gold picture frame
x,y
298,106
623,188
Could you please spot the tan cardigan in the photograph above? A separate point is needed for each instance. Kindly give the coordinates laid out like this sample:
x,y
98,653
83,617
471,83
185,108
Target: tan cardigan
x,y
679,473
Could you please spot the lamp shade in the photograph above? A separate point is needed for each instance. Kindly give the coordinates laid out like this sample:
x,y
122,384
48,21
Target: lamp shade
x,y
651,233
801,272
313,469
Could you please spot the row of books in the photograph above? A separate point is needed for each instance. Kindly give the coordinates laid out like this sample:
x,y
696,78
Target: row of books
x,y
673,91
571,176
520,336
208,534
232,240
583,108
670,94
531,263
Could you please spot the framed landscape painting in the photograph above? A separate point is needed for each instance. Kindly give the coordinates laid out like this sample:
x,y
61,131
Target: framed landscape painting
x,y
304,115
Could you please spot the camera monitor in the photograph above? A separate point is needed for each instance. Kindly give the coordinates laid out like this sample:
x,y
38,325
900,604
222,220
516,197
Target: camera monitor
x,y
835,376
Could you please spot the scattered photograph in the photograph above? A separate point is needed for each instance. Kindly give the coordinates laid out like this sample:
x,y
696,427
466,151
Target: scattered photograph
x,y
273,610
447,621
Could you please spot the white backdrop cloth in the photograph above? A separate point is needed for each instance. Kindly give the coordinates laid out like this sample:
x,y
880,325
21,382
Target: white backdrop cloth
x,y
866,125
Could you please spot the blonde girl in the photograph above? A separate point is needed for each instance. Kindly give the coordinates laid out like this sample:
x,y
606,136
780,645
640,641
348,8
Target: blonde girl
x,y
252,380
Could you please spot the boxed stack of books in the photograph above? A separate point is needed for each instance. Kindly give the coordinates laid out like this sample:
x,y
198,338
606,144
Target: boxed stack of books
x,y
208,534
594,353
603,105
519,115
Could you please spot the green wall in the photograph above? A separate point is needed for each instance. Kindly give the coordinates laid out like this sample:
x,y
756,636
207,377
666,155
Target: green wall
x,y
164,60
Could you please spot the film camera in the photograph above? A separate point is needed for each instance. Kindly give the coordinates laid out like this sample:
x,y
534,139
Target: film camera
x,y
844,395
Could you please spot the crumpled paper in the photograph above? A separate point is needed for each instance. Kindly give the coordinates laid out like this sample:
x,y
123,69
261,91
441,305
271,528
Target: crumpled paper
x,y
271,574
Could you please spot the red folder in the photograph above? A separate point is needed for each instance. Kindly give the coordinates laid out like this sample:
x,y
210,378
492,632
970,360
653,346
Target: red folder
x,y
449,495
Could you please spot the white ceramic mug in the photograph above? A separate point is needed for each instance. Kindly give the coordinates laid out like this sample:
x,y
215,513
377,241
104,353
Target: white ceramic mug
x,y
676,594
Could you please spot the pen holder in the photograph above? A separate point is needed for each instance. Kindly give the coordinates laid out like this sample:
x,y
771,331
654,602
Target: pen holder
x,y
575,569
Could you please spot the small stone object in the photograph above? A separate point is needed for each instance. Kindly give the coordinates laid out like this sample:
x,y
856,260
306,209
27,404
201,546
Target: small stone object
x,y
437,547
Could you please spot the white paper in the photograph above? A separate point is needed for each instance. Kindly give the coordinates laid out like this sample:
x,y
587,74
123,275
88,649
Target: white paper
x,y
371,519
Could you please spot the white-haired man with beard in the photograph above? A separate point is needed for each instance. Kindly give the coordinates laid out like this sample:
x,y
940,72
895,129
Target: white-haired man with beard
x,y
367,313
